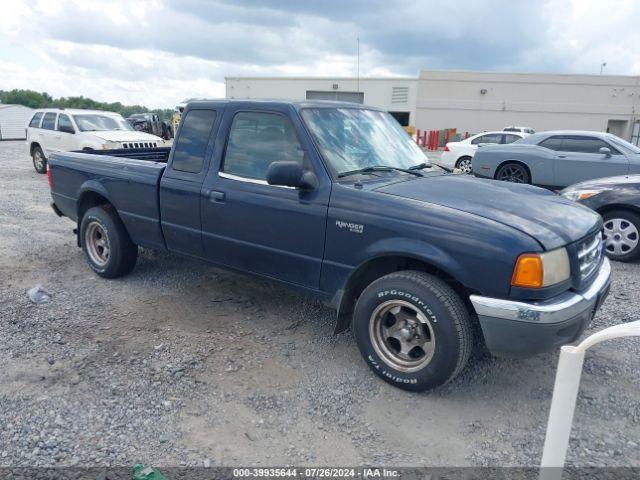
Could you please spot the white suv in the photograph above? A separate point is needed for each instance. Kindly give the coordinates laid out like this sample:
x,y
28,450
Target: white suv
x,y
55,129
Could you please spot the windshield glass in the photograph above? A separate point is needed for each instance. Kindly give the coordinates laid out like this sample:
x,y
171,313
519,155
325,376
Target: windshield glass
x,y
354,139
96,123
624,145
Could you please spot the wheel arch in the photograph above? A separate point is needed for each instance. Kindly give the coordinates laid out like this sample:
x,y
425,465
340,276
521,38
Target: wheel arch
x,y
618,206
92,194
370,270
519,162
33,146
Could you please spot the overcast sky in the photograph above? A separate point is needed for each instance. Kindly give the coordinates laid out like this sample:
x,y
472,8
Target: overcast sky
x,y
159,52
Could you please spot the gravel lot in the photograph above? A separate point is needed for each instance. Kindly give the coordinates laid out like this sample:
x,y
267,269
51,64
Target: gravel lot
x,y
184,364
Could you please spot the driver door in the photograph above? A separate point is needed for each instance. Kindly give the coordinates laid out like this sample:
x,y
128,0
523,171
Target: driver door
x,y
253,226
578,159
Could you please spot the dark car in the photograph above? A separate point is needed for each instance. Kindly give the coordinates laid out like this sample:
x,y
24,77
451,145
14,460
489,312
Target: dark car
x,y
335,199
617,199
150,123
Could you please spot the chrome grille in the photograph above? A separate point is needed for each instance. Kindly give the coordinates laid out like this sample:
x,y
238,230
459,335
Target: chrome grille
x,y
139,144
589,255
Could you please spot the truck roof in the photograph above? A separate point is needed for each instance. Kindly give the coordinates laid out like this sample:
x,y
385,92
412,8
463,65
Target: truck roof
x,y
297,104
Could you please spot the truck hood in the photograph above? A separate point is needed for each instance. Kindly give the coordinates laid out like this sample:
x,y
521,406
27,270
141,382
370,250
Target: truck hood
x,y
550,219
125,136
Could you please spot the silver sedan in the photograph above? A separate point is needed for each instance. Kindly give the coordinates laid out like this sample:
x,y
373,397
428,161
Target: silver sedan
x,y
558,159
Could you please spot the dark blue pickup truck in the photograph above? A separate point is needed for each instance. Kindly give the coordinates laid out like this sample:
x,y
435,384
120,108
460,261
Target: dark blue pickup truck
x,y
336,199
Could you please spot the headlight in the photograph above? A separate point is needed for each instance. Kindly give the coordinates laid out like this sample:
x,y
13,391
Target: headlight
x,y
576,195
536,270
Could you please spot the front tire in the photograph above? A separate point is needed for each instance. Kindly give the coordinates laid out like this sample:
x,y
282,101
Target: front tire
x,y
513,172
621,235
106,244
39,160
413,330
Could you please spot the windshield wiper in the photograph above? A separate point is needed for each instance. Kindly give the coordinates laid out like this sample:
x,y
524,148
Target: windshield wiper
x,y
379,168
420,166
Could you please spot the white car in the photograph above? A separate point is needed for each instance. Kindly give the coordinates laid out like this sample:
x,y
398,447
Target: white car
x,y
515,128
55,129
459,154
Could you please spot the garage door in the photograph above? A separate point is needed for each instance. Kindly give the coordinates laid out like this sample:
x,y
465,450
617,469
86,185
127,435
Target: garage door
x,y
354,97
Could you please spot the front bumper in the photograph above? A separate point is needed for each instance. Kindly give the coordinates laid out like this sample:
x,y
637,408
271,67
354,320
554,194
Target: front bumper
x,y
521,329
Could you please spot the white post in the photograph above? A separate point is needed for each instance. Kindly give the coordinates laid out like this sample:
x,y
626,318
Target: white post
x,y
565,394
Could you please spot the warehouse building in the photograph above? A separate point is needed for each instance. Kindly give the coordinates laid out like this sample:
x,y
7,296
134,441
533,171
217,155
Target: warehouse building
x,y
474,101
13,121
396,95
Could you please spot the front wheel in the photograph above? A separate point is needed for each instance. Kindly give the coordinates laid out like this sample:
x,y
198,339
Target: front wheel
x,y
39,160
513,172
621,235
413,330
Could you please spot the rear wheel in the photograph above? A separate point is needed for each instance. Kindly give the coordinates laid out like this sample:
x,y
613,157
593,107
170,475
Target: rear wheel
x,y
39,160
413,330
464,164
513,172
106,244
622,235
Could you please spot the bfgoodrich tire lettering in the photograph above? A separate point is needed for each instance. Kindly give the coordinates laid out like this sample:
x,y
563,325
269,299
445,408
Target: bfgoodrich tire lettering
x,y
106,244
426,337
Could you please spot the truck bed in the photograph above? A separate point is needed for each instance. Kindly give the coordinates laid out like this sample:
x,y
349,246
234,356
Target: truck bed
x,y
128,178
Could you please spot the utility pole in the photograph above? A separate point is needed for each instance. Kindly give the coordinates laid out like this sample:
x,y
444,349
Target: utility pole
x,y
602,65
358,67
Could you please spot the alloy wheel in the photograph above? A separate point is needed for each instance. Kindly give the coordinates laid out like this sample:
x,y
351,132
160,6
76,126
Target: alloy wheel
x,y
512,173
402,335
620,236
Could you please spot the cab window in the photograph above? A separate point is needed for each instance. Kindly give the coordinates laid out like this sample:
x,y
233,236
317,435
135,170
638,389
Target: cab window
x,y
256,140
192,141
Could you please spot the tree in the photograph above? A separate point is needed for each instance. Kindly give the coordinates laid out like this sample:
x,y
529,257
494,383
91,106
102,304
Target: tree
x,y
30,98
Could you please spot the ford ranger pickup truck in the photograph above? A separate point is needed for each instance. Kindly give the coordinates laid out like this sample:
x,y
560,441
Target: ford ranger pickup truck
x,y
334,198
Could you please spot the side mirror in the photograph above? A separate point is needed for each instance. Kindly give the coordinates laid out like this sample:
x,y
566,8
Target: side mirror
x,y
291,174
605,151
66,129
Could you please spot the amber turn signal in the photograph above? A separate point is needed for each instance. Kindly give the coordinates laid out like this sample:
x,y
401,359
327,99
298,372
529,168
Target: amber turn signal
x,y
528,272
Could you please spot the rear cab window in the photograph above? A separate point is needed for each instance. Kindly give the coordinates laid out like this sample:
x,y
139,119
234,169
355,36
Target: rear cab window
x,y
35,121
192,141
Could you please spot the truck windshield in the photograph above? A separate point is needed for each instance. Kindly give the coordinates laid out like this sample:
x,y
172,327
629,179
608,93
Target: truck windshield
x,y
354,140
97,123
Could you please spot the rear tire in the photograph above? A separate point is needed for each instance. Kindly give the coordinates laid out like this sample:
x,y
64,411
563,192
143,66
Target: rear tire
x,y
39,160
106,244
622,235
513,172
465,165
413,330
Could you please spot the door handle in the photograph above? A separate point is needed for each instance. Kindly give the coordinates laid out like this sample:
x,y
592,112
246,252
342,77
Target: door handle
x,y
215,196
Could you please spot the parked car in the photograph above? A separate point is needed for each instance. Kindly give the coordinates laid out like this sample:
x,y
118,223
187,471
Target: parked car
x,y
150,123
558,159
331,198
513,128
52,130
617,199
459,154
